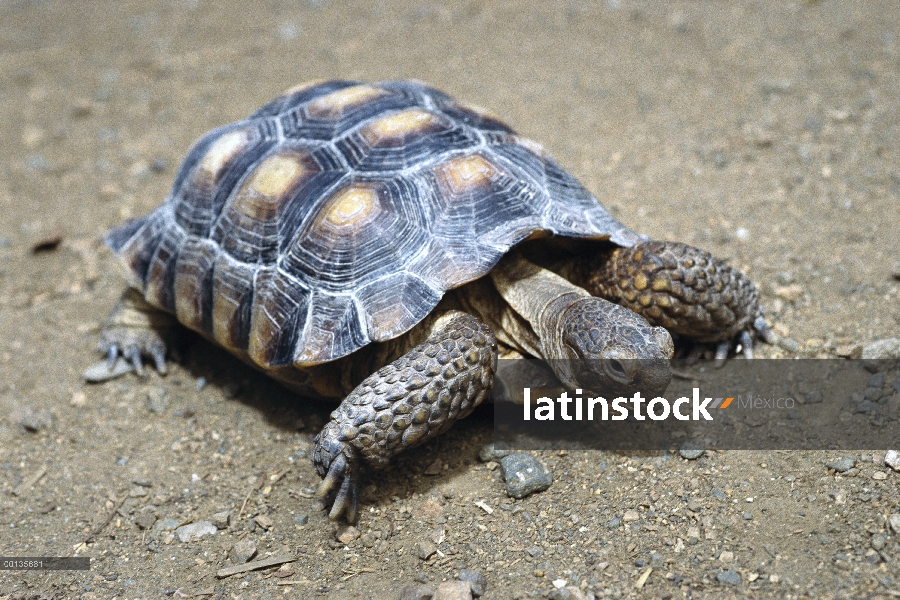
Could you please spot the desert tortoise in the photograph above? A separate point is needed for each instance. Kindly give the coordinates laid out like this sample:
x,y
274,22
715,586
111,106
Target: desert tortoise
x,y
380,242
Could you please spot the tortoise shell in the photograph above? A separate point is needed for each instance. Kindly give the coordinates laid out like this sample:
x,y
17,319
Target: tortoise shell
x,y
339,213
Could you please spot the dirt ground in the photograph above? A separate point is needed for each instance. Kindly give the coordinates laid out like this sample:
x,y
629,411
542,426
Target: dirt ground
x,y
764,131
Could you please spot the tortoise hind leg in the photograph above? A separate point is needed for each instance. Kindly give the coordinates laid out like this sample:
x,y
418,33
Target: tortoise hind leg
x,y
414,398
135,329
684,289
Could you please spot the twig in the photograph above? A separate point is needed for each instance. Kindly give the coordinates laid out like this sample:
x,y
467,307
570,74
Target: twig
x,y
256,564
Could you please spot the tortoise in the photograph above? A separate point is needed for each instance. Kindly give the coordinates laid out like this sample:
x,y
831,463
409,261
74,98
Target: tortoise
x,y
382,243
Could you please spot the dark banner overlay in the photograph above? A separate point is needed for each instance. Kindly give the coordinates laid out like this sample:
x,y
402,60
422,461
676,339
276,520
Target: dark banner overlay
x,y
759,404
45,563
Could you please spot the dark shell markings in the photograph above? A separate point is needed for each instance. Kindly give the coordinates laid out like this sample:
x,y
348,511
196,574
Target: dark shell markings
x,y
339,214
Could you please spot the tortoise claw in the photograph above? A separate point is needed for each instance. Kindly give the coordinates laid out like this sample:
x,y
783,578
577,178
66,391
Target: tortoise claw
x,y
745,339
342,476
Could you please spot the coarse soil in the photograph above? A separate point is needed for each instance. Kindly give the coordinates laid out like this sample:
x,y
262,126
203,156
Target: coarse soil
x,y
767,132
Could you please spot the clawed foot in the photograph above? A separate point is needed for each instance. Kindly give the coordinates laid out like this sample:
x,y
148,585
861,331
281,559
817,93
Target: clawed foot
x,y
133,331
742,343
340,483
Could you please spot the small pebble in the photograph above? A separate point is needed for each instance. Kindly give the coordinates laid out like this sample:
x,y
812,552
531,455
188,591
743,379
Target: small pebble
x,y
165,525
416,592
301,519
719,494
524,475
728,577
490,453
748,516
265,522
841,465
535,552
425,549
691,450
477,582
454,590
894,520
347,534
242,551
879,475
882,349
879,540
157,400
876,380
195,531
145,520
201,383
630,515
221,519
892,459
100,371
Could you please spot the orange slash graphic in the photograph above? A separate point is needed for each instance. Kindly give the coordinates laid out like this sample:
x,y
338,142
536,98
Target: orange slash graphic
x,y
726,403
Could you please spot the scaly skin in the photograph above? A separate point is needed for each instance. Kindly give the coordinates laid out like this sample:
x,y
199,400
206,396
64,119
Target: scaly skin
x,y
416,397
679,287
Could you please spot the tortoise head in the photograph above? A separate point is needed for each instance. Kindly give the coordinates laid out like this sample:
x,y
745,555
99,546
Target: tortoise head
x,y
607,349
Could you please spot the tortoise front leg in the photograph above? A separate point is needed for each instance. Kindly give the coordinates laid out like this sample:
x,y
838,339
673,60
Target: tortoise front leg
x,y
411,400
684,289
135,329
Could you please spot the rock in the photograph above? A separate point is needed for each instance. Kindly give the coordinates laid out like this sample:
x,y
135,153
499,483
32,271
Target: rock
x,y
431,509
454,590
347,534
100,371
881,349
524,475
301,519
691,450
31,419
892,459
242,552
876,380
165,525
852,351
866,406
221,519
416,592
728,577
476,581
879,540
894,520
535,552
789,293
145,520
195,531
630,515
157,400
264,522
425,549
489,453
841,465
